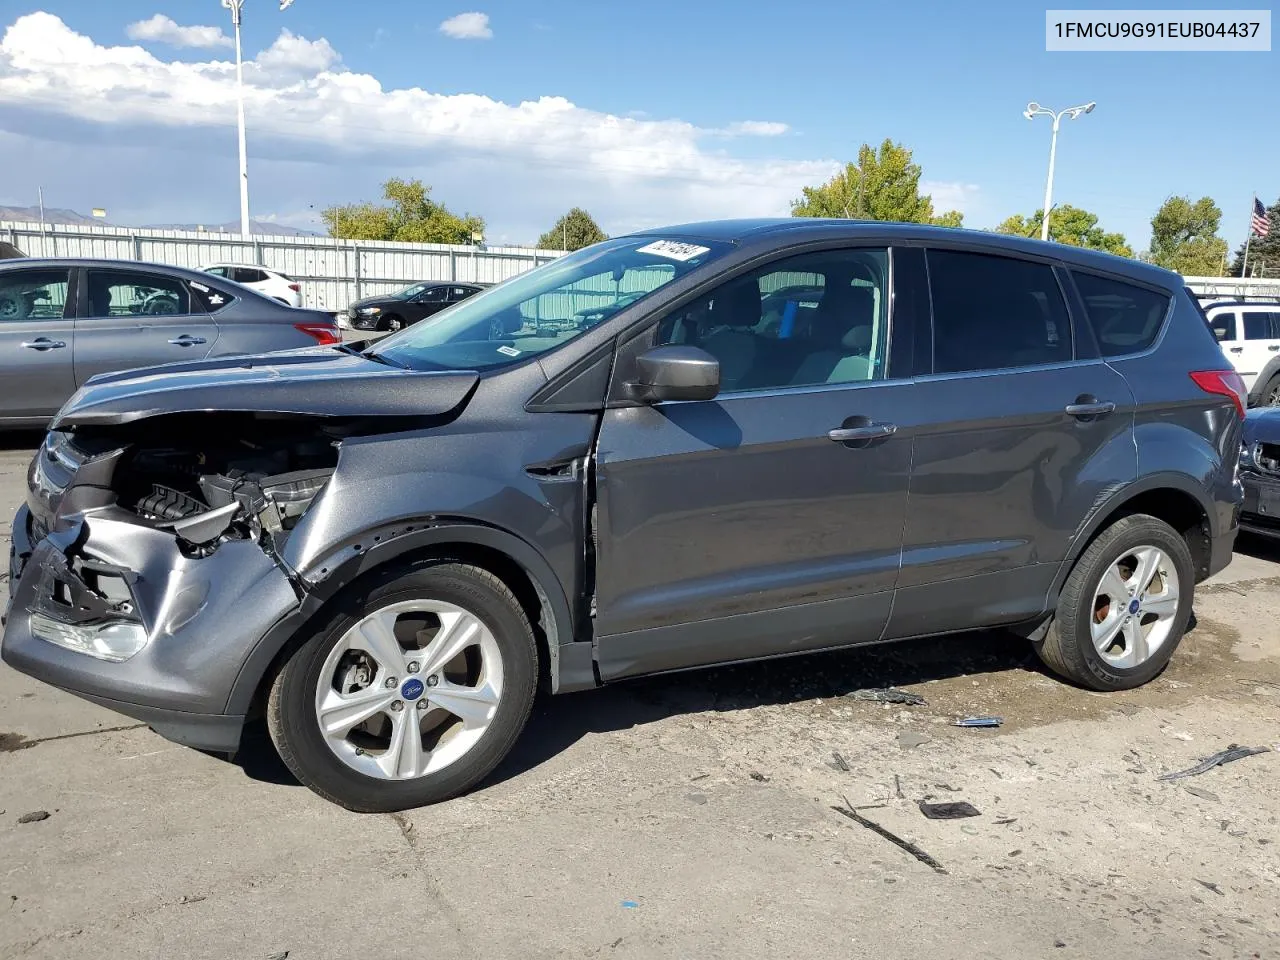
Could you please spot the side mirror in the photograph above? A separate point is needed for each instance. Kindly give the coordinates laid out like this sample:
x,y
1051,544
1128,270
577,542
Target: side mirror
x,y
675,372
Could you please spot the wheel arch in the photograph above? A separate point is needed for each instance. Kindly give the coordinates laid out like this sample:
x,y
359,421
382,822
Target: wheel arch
x,y
1175,498
1263,380
503,554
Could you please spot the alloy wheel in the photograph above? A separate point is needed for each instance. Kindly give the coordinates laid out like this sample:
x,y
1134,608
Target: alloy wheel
x,y
1134,607
409,689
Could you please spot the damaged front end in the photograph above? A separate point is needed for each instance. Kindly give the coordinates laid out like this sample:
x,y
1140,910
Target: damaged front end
x,y
145,570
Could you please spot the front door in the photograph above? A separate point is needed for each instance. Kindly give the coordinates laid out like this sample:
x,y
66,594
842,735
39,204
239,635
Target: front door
x,y
36,344
768,520
138,319
1261,344
1023,432
428,302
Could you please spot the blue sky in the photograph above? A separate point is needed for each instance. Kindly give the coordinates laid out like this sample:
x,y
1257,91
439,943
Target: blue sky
x,y
948,80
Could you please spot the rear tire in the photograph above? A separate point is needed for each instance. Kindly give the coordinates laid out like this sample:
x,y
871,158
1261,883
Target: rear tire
x,y
1097,639
372,766
1270,395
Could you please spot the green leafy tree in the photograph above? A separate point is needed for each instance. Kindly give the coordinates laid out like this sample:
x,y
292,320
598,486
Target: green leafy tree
x,y
1264,252
883,185
1184,237
575,230
1069,225
411,217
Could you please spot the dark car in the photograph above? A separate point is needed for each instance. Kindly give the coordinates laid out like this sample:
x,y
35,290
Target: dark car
x,y
65,321
395,311
385,549
1260,472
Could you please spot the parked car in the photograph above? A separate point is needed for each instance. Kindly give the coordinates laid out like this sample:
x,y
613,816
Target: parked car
x,y
269,283
64,321
384,548
1249,333
1260,472
395,311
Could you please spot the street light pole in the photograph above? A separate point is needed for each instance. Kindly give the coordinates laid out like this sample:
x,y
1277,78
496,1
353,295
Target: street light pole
x,y
1035,110
236,7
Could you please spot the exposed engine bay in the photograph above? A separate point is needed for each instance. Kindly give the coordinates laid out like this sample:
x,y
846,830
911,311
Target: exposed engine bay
x,y
237,478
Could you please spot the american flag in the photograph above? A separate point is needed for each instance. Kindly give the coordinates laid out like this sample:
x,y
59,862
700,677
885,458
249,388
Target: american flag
x,y
1258,222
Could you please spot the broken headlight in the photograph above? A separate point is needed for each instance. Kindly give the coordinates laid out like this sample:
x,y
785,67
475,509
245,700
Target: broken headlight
x,y
106,641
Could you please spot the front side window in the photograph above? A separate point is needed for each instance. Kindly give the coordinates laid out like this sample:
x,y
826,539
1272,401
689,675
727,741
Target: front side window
x,y
1258,325
432,295
33,295
993,313
818,318
547,307
120,293
1125,318
1223,326
249,275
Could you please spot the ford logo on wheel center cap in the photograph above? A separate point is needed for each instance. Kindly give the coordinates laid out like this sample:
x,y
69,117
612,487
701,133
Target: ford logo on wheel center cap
x,y
412,688
1134,607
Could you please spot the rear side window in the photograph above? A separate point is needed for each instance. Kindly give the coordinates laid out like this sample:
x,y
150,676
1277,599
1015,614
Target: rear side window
x,y
1223,326
211,298
992,312
1258,325
1125,318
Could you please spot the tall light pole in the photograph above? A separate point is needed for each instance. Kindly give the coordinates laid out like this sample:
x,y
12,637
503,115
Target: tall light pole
x,y
236,7
1035,110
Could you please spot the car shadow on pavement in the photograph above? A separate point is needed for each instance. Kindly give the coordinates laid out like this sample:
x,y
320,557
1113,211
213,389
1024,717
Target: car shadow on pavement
x,y
1261,548
559,722
21,440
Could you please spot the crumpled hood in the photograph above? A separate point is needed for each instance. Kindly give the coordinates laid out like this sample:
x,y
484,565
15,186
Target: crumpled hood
x,y
323,381
1262,424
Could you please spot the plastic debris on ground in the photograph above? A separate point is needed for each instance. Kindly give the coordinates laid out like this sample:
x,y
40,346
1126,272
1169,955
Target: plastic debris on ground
x,y
949,811
888,695
1233,752
978,722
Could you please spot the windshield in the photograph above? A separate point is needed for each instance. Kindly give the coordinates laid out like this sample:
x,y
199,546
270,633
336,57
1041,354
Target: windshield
x,y
545,308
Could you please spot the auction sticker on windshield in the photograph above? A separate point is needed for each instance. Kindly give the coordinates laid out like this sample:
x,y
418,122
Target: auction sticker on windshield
x,y
673,250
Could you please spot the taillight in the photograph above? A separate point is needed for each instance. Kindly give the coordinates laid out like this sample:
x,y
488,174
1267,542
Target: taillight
x,y
1226,383
295,287
324,333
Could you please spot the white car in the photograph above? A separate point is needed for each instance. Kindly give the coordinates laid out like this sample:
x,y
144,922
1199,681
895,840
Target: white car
x,y
269,283
1249,333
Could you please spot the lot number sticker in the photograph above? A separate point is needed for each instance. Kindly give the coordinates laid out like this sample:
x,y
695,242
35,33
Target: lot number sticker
x,y
674,250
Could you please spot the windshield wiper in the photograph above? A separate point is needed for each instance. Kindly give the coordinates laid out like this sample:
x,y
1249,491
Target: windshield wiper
x,y
368,355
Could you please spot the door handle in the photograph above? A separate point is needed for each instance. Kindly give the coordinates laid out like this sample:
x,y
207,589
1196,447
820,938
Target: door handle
x,y
1237,349
44,343
1274,347
1091,408
872,431
186,340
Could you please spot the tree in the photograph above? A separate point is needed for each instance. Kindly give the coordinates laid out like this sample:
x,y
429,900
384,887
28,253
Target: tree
x,y
575,230
882,185
1184,237
1069,225
412,217
1264,252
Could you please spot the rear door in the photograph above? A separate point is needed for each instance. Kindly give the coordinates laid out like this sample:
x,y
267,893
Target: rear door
x,y
1260,343
136,318
768,520
37,333
1026,428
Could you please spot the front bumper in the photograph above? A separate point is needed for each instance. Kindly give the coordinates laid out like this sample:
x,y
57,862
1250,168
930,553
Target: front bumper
x,y
203,616
1260,514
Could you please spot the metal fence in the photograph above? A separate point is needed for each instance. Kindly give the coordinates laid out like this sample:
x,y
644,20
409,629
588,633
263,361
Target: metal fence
x,y
332,273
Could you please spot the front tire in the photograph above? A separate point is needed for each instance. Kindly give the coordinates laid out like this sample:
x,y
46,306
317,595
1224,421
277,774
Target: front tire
x,y
1124,608
392,324
1270,395
415,689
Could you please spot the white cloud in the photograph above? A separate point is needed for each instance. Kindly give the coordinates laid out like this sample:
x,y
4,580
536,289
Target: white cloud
x,y
467,26
965,197
291,53
515,163
757,128
160,29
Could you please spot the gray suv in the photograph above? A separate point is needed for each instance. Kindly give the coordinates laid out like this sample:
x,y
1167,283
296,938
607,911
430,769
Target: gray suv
x,y
791,436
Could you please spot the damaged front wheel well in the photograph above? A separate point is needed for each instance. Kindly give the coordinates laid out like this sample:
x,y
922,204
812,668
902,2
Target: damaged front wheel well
x,y
510,572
